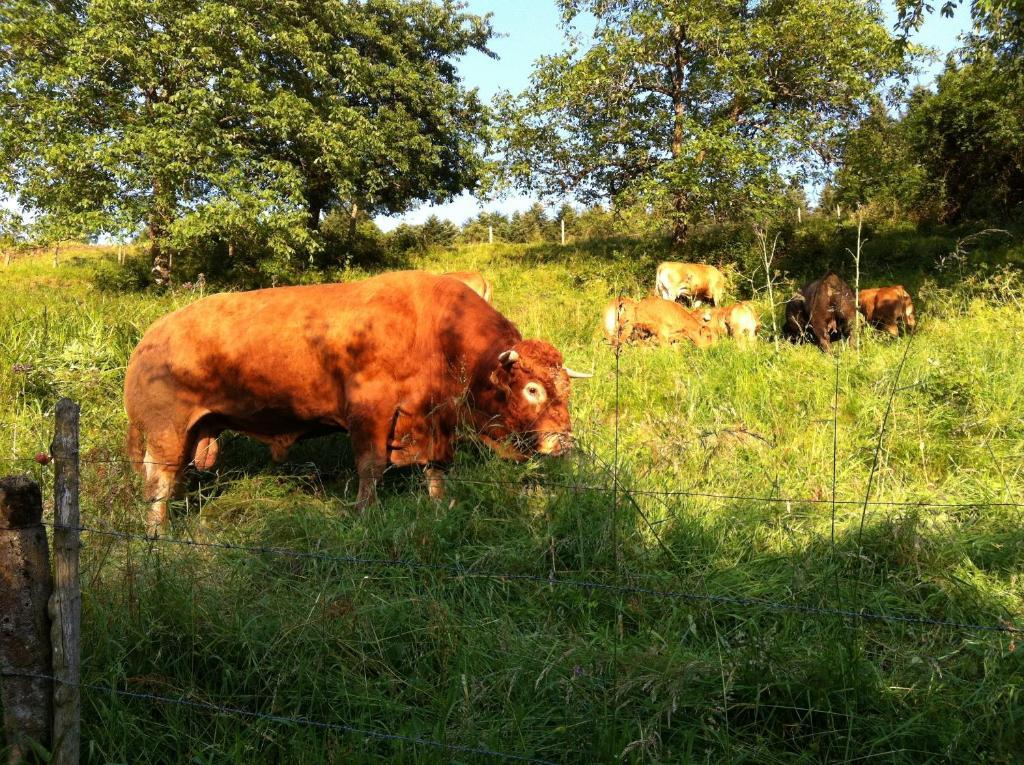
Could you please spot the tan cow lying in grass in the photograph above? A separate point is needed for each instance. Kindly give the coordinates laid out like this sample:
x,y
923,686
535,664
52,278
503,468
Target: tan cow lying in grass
x,y
888,309
738,320
663,321
693,281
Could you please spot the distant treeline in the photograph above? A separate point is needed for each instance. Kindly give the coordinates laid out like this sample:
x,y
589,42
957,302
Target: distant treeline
x,y
257,145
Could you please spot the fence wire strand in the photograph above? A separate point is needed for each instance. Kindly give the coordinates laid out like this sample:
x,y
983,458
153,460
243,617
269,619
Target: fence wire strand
x,y
668,493
460,571
282,719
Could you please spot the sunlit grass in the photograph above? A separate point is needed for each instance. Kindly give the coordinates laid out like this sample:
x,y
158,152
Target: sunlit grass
x,y
558,671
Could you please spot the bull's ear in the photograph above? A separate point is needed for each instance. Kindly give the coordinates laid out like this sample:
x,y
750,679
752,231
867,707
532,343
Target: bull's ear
x,y
508,358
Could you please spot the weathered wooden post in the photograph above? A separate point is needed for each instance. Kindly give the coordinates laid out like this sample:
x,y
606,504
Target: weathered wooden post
x,y
66,603
490,235
26,690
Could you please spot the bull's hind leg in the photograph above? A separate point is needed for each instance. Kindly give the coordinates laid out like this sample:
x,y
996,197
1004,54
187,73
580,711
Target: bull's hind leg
x,y
163,467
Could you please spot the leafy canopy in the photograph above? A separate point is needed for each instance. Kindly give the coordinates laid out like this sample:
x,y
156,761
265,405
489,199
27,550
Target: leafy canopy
x,y
243,120
699,109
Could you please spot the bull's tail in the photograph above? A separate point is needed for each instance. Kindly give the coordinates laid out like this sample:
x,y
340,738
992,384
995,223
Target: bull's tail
x,y
136,448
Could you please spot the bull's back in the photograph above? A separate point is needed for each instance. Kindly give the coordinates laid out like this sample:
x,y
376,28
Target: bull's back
x,y
295,354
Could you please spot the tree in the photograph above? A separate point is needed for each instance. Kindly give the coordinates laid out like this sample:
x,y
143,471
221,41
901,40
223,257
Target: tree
x,y
997,25
969,136
246,120
699,109
879,167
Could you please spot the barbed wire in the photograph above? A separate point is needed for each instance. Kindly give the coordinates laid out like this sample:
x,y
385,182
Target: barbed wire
x,y
458,570
282,719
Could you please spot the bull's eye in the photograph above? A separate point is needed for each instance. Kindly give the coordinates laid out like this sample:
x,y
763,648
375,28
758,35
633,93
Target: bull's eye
x,y
535,393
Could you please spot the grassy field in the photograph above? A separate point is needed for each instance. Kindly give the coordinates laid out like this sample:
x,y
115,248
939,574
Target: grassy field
x,y
700,499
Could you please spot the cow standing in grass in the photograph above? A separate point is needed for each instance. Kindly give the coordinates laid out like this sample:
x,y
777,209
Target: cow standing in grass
x,y
691,281
397,361
889,309
822,313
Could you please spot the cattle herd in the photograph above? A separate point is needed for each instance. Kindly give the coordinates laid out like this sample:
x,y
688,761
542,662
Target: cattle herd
x,y
821,312
403,360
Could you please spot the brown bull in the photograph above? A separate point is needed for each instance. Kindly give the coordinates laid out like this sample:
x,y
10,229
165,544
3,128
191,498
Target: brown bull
x,y
888,309
738,321
693,281
476,281
398,361
624,320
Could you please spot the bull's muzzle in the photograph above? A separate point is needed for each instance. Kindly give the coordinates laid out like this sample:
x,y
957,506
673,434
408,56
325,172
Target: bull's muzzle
x,y
554,444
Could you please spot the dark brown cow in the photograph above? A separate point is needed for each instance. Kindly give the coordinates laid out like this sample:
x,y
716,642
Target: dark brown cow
x,y
664,321
888,309
798,318
827,313
397,361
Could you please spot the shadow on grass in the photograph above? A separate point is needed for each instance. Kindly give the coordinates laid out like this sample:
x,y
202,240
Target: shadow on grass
x,y
534,612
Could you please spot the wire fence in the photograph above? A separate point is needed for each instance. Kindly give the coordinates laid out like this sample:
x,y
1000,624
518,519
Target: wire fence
x,y
618,493
468,572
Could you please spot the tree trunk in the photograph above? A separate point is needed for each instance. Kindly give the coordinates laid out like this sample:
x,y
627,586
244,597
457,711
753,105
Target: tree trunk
x,y
678,72
159,256
680,228
316,201
352,220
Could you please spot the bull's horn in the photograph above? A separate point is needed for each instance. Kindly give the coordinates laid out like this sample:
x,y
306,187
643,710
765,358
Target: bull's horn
x,y
579,375
508,358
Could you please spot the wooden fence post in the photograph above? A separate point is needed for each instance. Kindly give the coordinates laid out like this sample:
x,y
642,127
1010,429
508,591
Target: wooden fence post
x,y
66,603
25,588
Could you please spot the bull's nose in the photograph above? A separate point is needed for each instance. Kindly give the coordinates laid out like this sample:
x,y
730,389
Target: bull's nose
x,y
554,444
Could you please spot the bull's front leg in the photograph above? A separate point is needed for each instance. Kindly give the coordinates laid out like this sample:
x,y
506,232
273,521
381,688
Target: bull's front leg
x,y
435,481
370,444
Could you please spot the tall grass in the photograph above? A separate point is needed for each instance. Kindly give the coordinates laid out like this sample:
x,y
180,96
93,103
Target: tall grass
x,y
528,663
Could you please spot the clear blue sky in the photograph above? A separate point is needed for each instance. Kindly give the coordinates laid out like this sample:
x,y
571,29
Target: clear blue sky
x,y
531,28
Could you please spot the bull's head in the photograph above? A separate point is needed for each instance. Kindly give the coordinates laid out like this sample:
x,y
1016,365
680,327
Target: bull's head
x,y
532,402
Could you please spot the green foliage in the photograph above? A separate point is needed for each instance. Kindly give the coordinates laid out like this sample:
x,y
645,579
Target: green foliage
x,y
237,122
696,112
956,155
881,171
969,135
997,25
